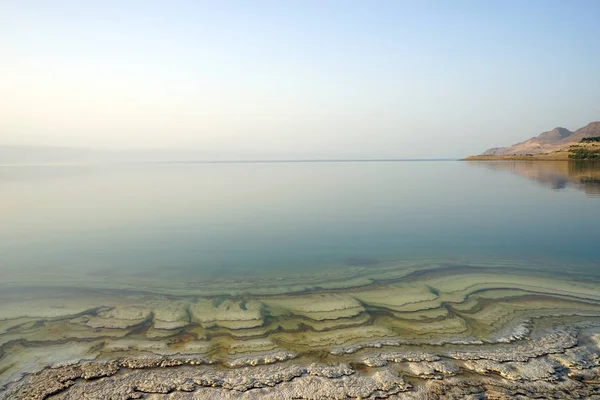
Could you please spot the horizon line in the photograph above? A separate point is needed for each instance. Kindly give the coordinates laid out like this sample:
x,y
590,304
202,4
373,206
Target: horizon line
x,y
280,161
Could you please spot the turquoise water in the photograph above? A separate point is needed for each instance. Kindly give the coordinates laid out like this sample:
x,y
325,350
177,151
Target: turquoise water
x,y
204,221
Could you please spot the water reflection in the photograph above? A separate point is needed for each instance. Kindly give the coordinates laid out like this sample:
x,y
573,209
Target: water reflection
x,y
558,175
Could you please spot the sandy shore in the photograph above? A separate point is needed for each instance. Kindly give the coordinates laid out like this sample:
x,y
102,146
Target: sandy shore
x,y
559,156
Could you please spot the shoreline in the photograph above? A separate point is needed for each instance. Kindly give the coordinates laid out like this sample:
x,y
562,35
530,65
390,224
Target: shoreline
x,y
581,151
448,330
519,158
546,362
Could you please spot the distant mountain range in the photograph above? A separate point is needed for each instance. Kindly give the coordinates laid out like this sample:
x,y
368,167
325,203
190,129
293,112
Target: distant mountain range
x,y
44,155
19,155
552,141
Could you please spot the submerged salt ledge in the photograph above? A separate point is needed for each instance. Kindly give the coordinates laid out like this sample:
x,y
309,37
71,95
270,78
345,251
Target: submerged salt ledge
x,y
432,326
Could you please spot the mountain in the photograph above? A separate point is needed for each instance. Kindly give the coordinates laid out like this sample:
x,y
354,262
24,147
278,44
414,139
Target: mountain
x,y
34,155
547,142
14,154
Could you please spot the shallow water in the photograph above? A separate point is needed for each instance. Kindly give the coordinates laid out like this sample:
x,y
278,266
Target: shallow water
x,y
314,260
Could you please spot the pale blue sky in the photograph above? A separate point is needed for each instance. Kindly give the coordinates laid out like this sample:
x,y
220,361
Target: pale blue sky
x,y
404,79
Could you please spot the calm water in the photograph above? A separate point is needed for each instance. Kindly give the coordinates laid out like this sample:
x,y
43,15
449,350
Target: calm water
x,y
204,221
240,264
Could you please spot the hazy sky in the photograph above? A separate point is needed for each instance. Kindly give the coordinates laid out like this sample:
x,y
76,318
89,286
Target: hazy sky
x,y
297,78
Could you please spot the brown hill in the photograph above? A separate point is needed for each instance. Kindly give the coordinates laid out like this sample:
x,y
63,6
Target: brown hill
x,y
547,142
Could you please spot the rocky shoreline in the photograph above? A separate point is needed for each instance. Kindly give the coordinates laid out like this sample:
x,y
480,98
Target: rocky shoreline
x,y
558,365
443,332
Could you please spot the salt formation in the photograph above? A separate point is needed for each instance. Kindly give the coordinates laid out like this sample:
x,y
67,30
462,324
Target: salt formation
x,y
441,331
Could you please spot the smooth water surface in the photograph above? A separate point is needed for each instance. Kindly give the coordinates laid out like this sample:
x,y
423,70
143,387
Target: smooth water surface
x,y
202,221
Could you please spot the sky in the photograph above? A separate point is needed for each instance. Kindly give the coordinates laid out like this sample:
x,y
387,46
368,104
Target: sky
x,y
365,79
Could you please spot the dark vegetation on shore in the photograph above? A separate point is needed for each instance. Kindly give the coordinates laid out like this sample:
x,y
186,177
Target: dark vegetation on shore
x,y
585,153
590,139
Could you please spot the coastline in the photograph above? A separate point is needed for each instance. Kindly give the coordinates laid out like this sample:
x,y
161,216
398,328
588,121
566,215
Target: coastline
x,y
538,157
580,151
549,363
446,330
